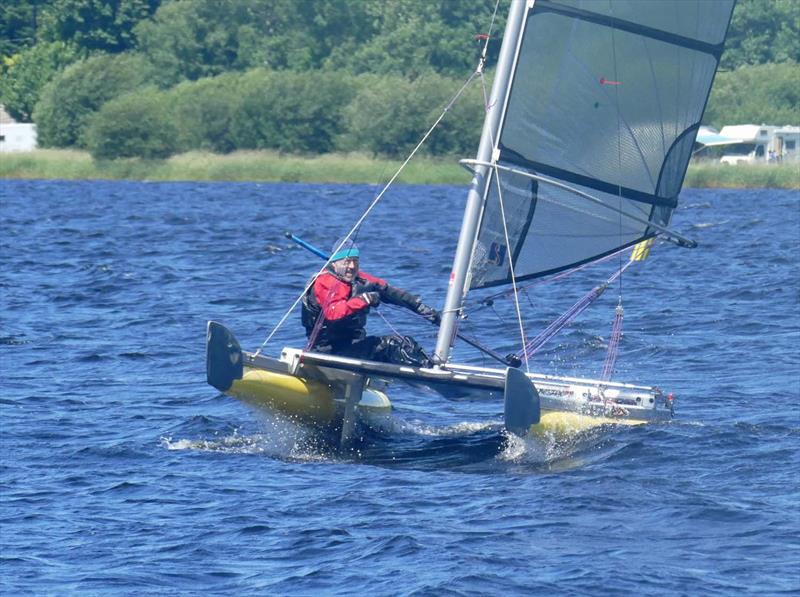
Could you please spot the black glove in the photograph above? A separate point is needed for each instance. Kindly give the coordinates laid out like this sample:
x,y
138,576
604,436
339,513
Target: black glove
x,y
371,298
429,313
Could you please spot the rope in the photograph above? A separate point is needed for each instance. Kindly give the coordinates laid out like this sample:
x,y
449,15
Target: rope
x,y
613,343
567,317
488,36
388,323
532,347
489,300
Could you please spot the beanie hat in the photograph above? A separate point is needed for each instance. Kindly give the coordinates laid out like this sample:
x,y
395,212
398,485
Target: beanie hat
x,y
346,248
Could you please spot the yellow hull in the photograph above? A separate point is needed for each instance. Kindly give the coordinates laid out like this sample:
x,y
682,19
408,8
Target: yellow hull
x,y
564,423
306,400
311,387
313,402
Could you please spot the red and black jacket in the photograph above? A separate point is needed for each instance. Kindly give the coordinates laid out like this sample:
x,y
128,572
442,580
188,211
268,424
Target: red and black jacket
x,y
343,310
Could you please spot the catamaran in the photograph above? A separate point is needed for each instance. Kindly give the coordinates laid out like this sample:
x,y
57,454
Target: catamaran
x,y
588,133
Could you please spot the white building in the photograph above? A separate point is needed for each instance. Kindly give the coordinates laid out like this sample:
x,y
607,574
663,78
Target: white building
x,y
16,136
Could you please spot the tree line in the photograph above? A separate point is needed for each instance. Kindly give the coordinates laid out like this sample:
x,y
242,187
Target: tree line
x,y
151,78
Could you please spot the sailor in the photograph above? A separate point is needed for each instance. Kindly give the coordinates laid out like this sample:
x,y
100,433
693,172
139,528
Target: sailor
x,y
336,306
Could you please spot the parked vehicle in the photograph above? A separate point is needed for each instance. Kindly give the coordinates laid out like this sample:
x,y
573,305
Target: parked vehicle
x,y
765,143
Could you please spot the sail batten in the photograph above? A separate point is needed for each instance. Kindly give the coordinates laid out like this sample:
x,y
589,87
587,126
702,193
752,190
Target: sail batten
x,y
635,28
511,157
605,97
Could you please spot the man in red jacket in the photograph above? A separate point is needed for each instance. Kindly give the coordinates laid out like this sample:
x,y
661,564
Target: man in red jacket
x,y
336,306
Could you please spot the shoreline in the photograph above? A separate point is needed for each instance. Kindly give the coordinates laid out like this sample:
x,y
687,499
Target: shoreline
x,y
267,166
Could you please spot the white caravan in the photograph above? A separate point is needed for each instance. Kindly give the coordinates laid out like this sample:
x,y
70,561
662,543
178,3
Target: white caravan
x,y
762,143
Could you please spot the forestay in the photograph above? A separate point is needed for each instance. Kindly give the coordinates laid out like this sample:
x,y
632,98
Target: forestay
x,y
605,98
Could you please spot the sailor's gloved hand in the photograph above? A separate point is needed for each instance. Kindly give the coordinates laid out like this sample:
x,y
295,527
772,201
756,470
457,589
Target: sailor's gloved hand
x,y
429,313
371,298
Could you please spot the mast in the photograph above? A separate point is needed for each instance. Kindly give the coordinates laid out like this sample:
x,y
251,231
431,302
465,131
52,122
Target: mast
x,y
469,225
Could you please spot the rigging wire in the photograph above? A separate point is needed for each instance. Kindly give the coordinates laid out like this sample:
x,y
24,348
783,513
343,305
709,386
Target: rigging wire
x,y
619,145
496,173
357,225
616,329
511,269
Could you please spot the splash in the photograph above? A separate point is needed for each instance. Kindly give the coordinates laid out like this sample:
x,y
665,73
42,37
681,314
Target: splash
x,y
278,438
562,450
454,430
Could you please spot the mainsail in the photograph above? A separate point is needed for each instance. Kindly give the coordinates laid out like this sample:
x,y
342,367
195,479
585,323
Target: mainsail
x,y
605,98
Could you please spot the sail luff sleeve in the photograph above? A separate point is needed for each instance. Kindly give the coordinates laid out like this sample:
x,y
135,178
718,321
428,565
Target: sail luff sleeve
x,y
607,98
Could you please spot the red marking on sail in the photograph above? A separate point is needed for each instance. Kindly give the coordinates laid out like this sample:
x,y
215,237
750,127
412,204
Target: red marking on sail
x,y
604,81
482,36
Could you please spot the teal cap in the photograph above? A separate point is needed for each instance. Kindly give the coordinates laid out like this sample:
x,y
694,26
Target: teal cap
x,y
347,249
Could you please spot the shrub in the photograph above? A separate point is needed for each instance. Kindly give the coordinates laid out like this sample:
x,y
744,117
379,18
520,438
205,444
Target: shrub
x,y
203,113
70,99
390,115
134,125
291,111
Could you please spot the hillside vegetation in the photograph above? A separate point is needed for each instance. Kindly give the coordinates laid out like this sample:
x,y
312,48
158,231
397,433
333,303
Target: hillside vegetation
x,y
155,78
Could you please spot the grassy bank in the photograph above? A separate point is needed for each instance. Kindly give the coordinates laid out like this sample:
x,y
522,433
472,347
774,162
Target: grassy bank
x,y
239,166
333,168
715,175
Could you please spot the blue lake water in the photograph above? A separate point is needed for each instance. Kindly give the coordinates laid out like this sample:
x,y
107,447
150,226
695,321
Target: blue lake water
x,y
122,472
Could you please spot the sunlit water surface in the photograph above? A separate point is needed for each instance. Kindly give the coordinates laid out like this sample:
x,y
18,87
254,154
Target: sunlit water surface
x,y
123,472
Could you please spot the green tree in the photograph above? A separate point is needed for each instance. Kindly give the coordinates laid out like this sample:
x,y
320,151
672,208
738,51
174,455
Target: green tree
x,y
192,40
390,115
96,25
763,31
411,37
759,94
201,38
19,21
73,96
134,125
24,75
301,36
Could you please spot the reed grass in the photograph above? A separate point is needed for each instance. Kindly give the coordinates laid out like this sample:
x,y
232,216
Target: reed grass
x,y
262,166
267,166
715,175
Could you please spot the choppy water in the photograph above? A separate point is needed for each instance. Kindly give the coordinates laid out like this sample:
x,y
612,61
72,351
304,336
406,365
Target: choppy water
x,y
123,473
